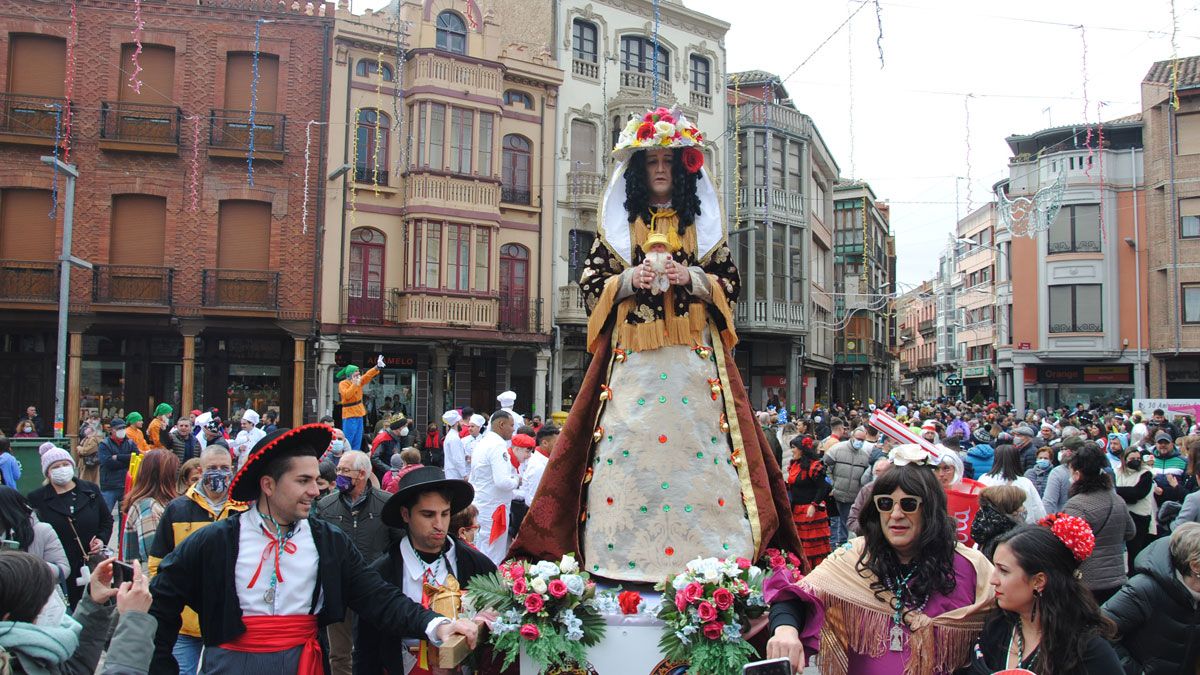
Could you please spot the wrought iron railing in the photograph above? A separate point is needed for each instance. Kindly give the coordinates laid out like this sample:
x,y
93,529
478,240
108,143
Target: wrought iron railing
x,y
140,122
364,306
520,314
28,281
240,289
365,175
132,285
515,196
1080,246
34,116
230,130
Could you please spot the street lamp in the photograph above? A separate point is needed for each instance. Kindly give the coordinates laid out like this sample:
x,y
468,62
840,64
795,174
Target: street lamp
x,y
64,288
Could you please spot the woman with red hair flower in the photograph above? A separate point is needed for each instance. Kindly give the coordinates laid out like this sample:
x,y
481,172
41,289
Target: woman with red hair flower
x,y
808,490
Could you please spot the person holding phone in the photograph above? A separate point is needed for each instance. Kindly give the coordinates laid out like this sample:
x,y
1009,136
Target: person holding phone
x,y
77,512
907,584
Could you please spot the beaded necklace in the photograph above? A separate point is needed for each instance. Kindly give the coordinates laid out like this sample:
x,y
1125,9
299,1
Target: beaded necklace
x,y
279,542
898,587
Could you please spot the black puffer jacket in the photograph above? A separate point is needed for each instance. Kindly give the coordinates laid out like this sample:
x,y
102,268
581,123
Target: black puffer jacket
x,y
1158,621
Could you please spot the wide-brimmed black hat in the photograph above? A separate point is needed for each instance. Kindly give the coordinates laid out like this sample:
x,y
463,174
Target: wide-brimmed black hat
x,y
425,479
309,439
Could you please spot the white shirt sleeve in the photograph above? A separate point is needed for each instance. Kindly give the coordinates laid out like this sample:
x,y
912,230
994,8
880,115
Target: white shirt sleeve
x,y
504,477
431,630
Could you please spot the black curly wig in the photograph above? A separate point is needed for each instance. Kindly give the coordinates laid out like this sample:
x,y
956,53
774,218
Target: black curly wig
x,y
684,199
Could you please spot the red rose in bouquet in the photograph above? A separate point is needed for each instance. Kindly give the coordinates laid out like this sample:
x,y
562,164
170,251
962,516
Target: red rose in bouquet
x,y
530,632
743,564
692,592
693,159
706,611
713,630
723,598
534,603
520,587
557,588
629,601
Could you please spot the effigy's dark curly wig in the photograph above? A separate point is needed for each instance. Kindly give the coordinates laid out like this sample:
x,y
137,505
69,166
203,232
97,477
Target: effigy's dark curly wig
x,y
684,199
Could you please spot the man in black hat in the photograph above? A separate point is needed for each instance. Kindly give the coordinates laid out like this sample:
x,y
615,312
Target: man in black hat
x,y
264,582
428,557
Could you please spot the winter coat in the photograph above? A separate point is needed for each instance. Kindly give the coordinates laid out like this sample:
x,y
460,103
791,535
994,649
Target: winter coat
x,y
184,448
1158,619
1190,513
10,470
87,459
43,650
47,546
114,462
1058,489
91,519
981,456
1039,477
846,467
1113,526
363,525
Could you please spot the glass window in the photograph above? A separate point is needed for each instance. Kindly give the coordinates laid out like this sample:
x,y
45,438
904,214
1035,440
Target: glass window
x,y
583,39
458,257
1076,229
433,254
369,67
637,56
1189,218
253,386
778,261
483,258
795,172
437,135
701,74
777,150
462,133
451,33
516,169
486,120
515,97
370,164
1191,303
1076,309
579,244
422,134
760,269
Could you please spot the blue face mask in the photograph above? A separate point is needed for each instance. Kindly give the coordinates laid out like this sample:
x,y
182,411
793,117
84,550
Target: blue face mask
x,y
343,483
856,444
1043,463
216,480
336,446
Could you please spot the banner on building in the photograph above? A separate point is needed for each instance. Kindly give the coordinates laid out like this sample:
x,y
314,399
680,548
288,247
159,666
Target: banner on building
x,y
1173,407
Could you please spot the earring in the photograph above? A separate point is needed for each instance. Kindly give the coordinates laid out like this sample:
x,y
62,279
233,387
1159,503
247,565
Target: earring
x,y
1037,600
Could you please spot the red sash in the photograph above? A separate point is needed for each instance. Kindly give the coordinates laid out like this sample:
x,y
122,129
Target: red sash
x,y
499,524
267,634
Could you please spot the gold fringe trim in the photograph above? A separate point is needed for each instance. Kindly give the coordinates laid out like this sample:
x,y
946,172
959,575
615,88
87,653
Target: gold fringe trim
x,y
738,441
665,222
601,311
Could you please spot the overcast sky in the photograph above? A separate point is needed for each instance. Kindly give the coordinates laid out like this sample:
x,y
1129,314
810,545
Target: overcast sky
x,y
903,127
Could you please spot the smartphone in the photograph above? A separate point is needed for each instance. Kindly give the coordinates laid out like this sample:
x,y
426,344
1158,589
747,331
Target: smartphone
x,y
9,545
779,666
122,572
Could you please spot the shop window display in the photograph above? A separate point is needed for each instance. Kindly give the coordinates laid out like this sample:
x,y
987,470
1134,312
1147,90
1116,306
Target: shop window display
x,y
253,386
102,389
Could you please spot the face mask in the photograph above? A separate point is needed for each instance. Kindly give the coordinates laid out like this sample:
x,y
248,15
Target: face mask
x,y
1063,456
343,483
403,432
121,433
216,480
337,446
856,444
1134,464
1043,463
29,430
62,475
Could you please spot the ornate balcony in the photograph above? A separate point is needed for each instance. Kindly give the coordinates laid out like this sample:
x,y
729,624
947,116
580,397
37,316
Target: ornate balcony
x,y
30,120
445,310
584,189
701,100
587,69
520,314
132,285
779,117
429,67
782,202
28,281
139,127
512,195
775,316
229,134
644,82
571,309
364,175
927,326
240,289
423,189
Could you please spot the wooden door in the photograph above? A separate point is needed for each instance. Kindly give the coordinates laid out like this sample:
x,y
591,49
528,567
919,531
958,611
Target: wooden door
x,y
365,285
514,288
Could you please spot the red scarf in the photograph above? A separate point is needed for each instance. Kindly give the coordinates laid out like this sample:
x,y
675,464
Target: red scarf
x,y
433,440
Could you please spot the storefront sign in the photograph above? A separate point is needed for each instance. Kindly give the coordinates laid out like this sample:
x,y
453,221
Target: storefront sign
x,y
1172,406
390,360
774,381
1183,370
1024,346
1083,374
976,371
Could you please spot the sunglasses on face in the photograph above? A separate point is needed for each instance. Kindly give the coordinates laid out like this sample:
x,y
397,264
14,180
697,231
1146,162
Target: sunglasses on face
x,y
887,504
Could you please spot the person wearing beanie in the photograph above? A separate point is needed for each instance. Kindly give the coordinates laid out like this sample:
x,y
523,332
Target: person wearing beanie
x,y
75,508
116,452
1023,437
156,433
135,422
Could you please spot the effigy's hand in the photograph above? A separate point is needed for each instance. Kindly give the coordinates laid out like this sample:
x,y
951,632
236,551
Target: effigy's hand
x,y
785,644
643,275
677,274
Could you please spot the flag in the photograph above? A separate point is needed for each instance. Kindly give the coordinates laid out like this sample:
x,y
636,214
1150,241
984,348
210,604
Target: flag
x,y
890,426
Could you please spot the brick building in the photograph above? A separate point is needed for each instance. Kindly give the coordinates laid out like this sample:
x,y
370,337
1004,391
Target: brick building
x,y
439,221
203,291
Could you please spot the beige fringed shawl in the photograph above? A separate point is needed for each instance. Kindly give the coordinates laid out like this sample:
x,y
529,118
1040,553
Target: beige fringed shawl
x,y
856,621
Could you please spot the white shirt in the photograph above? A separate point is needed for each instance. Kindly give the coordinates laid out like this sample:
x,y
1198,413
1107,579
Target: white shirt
x,y
414,585
245,442
492,474
456,456
531,476
297,569
469,442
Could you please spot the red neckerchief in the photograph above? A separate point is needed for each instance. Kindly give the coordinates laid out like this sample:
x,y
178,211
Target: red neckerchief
x,y
545,453
512,458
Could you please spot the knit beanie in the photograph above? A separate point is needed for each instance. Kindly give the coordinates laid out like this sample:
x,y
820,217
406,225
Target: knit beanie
x,y
51,453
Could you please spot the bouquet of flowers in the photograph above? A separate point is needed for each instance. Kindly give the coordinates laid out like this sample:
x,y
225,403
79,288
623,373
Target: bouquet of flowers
x,y
706,609
547,608
783,562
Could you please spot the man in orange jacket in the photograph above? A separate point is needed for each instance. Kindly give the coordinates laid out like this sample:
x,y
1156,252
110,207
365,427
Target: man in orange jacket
x,y
353,410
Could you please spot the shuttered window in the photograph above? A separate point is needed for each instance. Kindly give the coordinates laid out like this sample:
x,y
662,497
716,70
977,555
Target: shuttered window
x,y
138,230
157,76
37,65
26,231
243,235
239,74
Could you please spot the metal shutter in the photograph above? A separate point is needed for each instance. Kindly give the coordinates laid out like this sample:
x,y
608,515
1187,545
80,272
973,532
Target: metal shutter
x,y
238,76
26,231
243,235
138,230
37,65
157,76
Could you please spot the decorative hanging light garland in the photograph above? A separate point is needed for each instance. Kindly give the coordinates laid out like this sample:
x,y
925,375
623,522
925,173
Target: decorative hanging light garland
x,y
307,172
54,173
1087,142
967,128
69,85
138,24
1174,58
254,73
353,198
737,151
879,36
654,85
194,179
1100,143
378,125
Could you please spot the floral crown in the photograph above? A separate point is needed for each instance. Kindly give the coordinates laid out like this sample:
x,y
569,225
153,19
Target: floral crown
x,y
1072,531
662,128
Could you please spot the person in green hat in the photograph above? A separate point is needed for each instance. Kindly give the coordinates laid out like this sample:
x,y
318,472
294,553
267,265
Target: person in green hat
x,y
353,410
135,422
156,435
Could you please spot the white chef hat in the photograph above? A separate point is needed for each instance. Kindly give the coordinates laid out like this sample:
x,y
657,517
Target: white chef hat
x,y
506,399
479,420
248,415
451,417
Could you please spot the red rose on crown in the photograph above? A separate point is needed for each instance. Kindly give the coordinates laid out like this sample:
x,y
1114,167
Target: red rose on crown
x,y
534,603
645,131
693,160
723,598
557,588
706,611
530,632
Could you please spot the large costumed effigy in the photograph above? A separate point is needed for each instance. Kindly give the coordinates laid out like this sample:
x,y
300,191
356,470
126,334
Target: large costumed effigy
x,y
662,508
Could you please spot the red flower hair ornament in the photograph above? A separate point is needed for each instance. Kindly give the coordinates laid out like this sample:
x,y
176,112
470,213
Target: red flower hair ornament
x,y
693,159
1072,531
